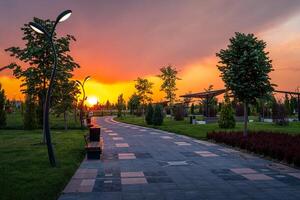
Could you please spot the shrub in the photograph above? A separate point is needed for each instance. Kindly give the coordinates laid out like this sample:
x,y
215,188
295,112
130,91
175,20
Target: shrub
x,y
2,108
279,114
149,114
281,146
226,119
178,112
192,109
30,114
158,116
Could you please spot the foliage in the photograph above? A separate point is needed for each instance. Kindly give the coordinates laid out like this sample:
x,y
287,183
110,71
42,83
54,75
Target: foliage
x,y
158,116
121,105
283,147
178,112
169,77
134,103
149,114
144,90
226,119
192,109
38,58
279,114
30,113
65,99
2,107
245,68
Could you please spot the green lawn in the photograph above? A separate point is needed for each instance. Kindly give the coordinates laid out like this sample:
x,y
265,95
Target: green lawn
x,y
200,131
24,170
15,121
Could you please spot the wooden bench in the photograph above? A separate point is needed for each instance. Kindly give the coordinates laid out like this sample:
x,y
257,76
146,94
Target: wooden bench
x,y
93,148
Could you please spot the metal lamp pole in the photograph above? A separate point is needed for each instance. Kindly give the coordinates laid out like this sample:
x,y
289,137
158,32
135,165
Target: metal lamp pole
x,y
83,99
49,34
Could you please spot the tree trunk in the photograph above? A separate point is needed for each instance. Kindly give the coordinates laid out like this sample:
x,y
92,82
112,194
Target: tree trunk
x,y
65,120
75,114
245,118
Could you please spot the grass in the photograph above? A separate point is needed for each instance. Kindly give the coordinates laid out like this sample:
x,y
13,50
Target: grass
x,y
25,172
200,131
15,121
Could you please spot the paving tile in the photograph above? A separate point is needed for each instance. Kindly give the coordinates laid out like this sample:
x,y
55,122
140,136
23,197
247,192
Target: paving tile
x,y
182,143
121,145
154,133
257,177
86,182
166,137
132,174
112,134
243,170
297,175
131,181
118,138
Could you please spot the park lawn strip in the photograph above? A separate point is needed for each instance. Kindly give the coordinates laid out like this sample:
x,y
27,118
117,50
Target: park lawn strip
x,y
25,170
200,131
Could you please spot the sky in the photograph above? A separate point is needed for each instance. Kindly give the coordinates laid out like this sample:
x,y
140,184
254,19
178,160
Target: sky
x,y
120,40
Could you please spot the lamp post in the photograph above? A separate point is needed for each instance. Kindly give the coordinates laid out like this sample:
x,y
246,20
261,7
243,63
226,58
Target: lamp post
x,y
49,35
83,98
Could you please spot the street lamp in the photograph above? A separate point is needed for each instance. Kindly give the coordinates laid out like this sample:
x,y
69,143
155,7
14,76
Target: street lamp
x,y
49,34
83,98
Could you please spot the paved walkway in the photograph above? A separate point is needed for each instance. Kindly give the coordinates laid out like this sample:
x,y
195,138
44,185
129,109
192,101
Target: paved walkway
x,y
141,163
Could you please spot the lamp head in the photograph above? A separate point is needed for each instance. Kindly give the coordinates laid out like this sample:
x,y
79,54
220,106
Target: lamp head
x,y
64,16
37,28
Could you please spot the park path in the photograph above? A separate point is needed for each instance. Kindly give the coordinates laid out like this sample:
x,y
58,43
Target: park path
x,y
142,163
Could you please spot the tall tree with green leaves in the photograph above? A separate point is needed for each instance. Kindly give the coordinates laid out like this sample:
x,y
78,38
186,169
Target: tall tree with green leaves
x,y
245,68
169,76
144,91
37,57
133,103
121,105
2,107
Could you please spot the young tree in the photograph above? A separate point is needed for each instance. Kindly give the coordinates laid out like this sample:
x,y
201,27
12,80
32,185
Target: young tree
x,y
38,58
121,105
2,107
226,119
144,91
245,68
169,77
30,113
65,99
158,116
133,103
149,114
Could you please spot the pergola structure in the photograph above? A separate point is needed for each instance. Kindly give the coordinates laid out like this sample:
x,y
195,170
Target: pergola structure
x,y
208,95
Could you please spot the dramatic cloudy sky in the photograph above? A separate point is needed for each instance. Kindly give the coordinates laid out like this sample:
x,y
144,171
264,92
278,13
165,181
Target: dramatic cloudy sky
x,y
119,40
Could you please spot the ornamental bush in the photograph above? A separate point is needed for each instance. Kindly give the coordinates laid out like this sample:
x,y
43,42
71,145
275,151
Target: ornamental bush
x,y
226,119
149,114
158,116
178,112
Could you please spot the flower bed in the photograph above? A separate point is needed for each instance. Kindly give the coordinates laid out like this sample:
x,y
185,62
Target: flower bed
x,y
281,146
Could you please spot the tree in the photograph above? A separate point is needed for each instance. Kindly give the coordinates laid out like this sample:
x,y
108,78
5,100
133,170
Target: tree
x,y
192,109
245,68
144,91
149,114
158,116
169,77
226,119
133,103
2,107
65,99
178,112
120,105
38,57
30,113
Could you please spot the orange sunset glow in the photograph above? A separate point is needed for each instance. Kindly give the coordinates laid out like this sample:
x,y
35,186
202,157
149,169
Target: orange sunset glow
x,y
118,41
